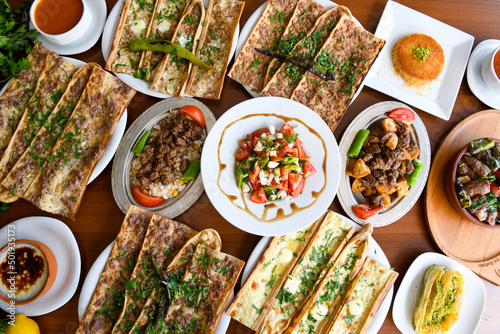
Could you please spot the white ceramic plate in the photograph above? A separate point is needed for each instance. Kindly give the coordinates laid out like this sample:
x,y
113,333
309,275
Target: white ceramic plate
x,y
406,297
476,82
138,84
438,97
114,141
252,20
375,252
372,116
283,216
58,237
93,278
98,8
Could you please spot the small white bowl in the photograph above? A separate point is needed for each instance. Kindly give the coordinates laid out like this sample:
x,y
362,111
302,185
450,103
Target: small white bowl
x,y
488,71
71,35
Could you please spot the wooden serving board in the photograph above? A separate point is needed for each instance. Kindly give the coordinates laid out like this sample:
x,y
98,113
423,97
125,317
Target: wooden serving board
x,y
476,247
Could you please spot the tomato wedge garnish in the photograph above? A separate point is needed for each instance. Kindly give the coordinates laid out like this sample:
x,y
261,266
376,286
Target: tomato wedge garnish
x,y
404,115
287,128
245,146
300,148
258,196
193,113
241,154
145,200
309,169
295,184
495,189
365,211
257,133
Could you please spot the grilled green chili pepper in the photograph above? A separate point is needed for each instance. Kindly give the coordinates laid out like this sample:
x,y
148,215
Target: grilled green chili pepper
x,y
481,145
357,143
141,143
159,45
192,171
412,178
464,196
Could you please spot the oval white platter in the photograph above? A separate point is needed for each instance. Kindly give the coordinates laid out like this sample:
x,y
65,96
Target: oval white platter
x,y
372,116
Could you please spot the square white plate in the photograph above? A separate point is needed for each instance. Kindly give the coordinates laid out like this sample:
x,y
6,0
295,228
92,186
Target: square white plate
x,y
438,97
406,297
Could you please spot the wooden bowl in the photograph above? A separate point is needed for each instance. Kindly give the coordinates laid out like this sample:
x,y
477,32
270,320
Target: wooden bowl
x,y
51,264
451,189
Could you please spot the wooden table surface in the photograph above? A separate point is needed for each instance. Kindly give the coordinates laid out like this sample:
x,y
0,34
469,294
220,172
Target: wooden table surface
x,y
99,218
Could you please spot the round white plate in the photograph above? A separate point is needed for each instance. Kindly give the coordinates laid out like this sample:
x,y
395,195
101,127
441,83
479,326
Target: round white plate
x,y
220,183
114,141
476,82
138,84
252,20
120,177
406,297
372,116
58,237
92,279
375,252
88,40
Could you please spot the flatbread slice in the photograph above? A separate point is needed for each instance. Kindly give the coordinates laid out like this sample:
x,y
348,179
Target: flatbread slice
x,y
26,168
203,292
303,18
14,100
330,239
172,73
106,302
250,66
349,51
256,296
215,48
60,184
366,294
163,241
288,76
329,293
51,85
134,22
166,16
177,267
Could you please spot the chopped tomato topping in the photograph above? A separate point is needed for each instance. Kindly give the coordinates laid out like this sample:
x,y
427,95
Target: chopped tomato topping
x,y
241,154
309,169
258,196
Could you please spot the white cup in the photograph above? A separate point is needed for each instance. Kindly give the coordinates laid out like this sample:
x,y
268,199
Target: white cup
x,y
488,71
71,35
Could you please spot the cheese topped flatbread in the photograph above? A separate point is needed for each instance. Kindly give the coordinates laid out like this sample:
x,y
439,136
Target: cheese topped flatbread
x,y
105,305
250,66
215,47
60,184
14,100
26,168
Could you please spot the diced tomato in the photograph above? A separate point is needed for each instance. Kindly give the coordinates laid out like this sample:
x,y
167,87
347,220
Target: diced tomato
x,y
249,137
404,115
276,158
258,196
254,176
257,133
284,174
497,174
266,154
286,128
495,189
241,154
284,150
295,184
283,185
307,158
245,146
365,211
309,169
300,148
145,200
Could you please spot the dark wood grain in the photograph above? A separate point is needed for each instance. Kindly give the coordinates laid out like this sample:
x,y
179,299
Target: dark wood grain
x,y
99,218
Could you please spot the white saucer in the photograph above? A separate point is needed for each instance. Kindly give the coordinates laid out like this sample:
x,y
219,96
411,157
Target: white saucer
x,y
474,77
58,237
99,10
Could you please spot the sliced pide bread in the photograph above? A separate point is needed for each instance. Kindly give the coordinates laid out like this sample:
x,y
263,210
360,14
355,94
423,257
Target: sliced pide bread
x,y
329,293
324,247
104,307
172,73
363,299
215,48
26,168
250,66
256,296
163,240
14,100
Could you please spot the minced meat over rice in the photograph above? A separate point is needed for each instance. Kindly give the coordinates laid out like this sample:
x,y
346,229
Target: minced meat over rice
x,y
173,144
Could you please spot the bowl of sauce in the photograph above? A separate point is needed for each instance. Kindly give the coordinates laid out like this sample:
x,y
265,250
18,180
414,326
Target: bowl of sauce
x,y
61,21
28,270
490,70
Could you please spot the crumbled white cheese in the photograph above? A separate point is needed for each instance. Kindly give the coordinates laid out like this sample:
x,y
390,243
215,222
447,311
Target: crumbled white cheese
x,y
138,26
355,306
292,284
163,26
319,311
285,256
272,129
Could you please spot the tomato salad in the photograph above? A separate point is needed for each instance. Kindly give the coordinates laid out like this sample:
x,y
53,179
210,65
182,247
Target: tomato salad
x,y
272,165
